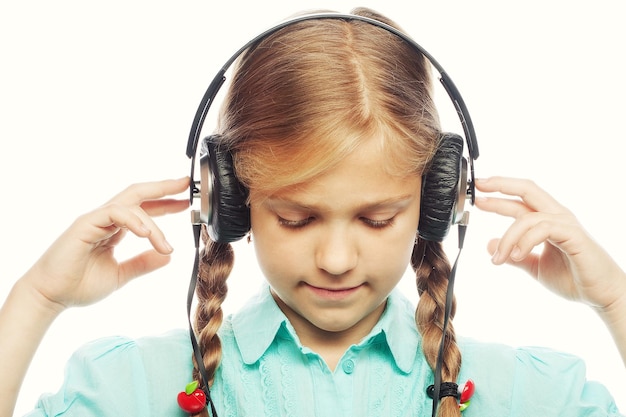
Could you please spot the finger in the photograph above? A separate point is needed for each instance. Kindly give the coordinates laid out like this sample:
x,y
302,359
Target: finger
x,y
533,230
527,264
519,239
164,206
116,237
155,236
104,222
529,192
502,206
138,193
141,264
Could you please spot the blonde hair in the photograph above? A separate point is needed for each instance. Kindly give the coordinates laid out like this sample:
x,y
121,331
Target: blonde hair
x,y
300,101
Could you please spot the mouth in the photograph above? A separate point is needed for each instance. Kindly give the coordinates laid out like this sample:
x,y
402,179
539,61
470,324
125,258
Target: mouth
x,y
333,293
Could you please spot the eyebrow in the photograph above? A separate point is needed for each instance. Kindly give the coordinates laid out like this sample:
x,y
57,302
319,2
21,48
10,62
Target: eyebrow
x,y
391,202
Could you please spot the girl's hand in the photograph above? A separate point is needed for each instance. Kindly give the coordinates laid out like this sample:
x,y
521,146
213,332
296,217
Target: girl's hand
x,y
80,267
571,263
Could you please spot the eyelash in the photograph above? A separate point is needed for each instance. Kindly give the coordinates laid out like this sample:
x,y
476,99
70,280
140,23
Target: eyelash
x,y
294,224
298,224
378,224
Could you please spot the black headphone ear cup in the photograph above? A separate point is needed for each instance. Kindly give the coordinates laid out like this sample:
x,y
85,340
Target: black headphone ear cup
x,y
227,213
442,186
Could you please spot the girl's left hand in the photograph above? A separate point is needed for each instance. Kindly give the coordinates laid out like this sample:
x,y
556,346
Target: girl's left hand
x,y
571,263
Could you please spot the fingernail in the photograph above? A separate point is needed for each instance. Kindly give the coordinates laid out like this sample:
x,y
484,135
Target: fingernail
x,y
169,247
495,257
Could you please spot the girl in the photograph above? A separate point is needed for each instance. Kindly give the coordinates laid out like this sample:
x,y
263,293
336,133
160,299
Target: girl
x,y
332,128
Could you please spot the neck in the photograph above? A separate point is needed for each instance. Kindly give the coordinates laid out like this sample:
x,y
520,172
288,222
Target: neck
x,y
330,344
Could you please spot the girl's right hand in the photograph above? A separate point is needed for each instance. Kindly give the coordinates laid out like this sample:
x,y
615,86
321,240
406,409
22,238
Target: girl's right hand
x,y
80,267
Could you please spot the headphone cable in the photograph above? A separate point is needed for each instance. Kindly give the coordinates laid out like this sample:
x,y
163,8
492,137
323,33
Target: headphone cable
x,y
197,228
447,312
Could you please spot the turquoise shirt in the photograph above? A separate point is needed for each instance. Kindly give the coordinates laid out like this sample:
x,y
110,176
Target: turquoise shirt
x,y
265,371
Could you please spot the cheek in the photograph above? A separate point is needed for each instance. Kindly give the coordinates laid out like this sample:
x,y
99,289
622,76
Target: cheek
x,y
389,254
266,248
276,255
390,257
397,250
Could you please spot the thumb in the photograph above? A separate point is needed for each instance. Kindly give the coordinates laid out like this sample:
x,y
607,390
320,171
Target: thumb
x,y
141,264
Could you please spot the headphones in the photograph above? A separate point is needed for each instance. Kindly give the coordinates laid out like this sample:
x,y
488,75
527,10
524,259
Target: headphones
x,y
223,199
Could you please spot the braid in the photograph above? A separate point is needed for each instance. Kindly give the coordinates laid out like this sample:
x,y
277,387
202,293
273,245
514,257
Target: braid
x,y
216,264
432,269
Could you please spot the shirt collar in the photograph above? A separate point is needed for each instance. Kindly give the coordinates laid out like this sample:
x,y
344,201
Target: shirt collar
x,y
398,326
256,325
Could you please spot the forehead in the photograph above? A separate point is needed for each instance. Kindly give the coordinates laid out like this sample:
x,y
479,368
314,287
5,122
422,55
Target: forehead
x,y
360,179
278,167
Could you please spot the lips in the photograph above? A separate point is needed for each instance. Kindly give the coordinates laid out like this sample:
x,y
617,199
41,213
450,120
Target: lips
x,y
333,293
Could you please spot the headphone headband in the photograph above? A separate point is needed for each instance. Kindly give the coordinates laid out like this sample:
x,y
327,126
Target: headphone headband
x,y
448,84
224,208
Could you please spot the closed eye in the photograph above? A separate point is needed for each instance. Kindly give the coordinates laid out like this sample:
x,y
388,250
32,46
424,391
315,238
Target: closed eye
x,y
294,224
378,224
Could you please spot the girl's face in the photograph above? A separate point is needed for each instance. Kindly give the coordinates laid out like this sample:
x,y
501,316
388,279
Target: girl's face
x,y
334,248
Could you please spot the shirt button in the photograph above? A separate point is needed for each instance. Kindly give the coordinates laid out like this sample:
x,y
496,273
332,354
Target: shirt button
x,y
348,366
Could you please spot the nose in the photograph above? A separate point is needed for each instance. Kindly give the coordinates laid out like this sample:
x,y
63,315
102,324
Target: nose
x,y
337,251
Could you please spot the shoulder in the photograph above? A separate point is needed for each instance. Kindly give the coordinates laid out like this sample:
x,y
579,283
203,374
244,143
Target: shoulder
x,y
154,355
517,381
123,376
118,347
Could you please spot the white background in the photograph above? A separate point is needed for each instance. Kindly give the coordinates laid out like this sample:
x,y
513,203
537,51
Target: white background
x,y
97,95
